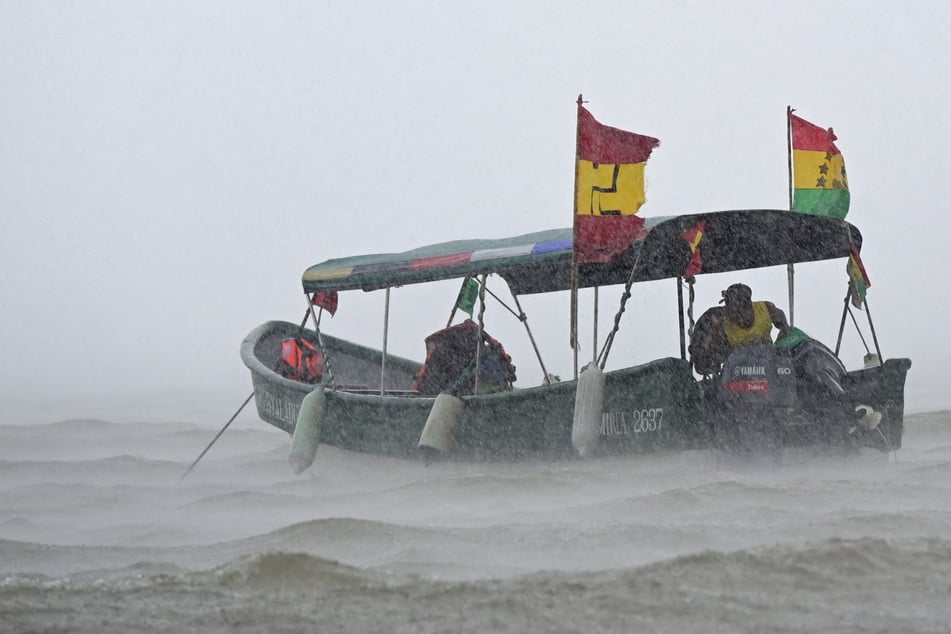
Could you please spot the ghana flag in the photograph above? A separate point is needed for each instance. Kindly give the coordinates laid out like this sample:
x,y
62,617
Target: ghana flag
x,y
609,187
858,278
820,184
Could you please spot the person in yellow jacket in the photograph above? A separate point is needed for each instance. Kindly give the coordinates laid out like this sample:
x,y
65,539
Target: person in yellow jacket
x,y
739,322
746,321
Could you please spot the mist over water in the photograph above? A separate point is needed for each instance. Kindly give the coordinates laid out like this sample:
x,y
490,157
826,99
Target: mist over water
x,y
97,534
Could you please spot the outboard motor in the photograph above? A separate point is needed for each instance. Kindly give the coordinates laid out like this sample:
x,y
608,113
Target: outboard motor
x,y
823,382
815,362
752,399
758,376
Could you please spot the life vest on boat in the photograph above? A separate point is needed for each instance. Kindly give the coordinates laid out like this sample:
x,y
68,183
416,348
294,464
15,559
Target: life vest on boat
x,y
757,333
300,361
450,362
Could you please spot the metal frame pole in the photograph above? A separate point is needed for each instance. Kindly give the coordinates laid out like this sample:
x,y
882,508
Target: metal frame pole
x,y
594,346
680,318
386,327
524,319
331,380
478,359
845,312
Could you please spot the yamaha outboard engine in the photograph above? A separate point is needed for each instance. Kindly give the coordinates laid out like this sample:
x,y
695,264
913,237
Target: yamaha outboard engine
x,y
758,376
752,398
815,362
823,397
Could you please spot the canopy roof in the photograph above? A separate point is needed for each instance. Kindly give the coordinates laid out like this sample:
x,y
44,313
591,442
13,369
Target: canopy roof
x,y
540,262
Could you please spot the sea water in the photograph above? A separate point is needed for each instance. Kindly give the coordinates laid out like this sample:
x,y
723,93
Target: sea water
x,y
99,534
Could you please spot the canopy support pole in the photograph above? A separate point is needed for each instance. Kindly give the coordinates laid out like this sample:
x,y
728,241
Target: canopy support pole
x,y
845,311
478,359
386,328
504,305
790,284
857,329
680,318
691,297
320,340
871,327
848,311
594,345
524,319
603,358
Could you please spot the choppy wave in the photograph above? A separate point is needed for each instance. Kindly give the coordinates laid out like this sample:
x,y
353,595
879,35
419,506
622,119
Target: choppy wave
x,y
99,533
865,585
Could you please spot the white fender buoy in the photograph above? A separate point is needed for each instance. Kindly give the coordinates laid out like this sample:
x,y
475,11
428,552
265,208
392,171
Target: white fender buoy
x,y
443,417
307,431
589,405
870,418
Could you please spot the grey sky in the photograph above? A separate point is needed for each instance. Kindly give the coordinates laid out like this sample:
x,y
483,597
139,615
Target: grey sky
x,y
169,169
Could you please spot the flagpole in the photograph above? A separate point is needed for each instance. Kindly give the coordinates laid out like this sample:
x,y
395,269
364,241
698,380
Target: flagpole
x,y
790,268
573,335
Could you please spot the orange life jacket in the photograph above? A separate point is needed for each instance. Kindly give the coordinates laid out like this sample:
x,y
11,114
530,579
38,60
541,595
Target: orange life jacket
x,y
300,360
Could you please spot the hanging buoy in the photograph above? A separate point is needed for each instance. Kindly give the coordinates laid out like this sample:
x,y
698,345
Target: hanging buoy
x,y
870,419
589,405
437,436
307,431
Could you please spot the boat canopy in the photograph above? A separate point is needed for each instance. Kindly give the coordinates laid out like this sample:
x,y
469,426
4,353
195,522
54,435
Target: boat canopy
x,y
541,262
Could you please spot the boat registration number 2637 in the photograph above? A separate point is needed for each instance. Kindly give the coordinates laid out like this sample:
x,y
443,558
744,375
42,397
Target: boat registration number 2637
x,y
639,421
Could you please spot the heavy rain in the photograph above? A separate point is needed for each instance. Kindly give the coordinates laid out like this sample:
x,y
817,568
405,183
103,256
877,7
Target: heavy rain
x,y
168,173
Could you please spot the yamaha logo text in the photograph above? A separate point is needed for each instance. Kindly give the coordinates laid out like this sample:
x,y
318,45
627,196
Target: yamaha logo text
x,y
750,370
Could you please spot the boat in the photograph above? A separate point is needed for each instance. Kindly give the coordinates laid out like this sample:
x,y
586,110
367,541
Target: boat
x,y
363,399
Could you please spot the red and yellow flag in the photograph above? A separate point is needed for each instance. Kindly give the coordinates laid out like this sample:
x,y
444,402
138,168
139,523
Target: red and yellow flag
x,y
820,186
693,237
610,188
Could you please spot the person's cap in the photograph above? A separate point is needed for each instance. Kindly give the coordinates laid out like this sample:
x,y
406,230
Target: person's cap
x,y
737,293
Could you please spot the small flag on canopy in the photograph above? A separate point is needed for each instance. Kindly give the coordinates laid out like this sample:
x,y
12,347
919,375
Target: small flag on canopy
x,y
820,186
858,278
327,300
610,188
467,296
693,237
